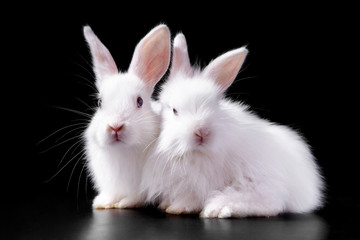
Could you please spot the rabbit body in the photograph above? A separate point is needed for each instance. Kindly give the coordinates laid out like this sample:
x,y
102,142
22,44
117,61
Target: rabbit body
x,y
124,125
215,156
116,164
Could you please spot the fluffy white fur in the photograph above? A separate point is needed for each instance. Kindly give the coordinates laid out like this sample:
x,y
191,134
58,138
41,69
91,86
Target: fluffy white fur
x,y
216,157
115,158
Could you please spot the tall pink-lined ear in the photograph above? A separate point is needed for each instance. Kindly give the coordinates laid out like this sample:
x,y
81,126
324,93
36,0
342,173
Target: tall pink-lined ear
x,y
152,56
180,60
103,63
224,68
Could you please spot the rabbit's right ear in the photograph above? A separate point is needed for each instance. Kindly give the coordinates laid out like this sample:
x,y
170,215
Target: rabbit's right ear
x,y
152,56
224,69
103,63
180,61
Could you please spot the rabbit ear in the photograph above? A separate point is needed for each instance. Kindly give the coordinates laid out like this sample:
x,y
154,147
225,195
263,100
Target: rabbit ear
x,y
180,61
103,63
152,56
224,69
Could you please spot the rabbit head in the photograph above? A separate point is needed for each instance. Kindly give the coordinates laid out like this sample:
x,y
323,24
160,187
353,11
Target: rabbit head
x,y
124,117
191,117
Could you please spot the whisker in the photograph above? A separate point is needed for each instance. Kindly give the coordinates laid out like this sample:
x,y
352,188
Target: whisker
x,y
145,122
72,172
86,187
243,69
63,128
83,67
87,105
89,85
150,144
59,144
244,78
57,173
77,144
76,129
88,82
78,185
80,143
145,116
74,111
87,62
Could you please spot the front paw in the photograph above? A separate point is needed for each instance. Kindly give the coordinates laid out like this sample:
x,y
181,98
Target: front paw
x,y
129,202
103,201
163,206
213,211
177,210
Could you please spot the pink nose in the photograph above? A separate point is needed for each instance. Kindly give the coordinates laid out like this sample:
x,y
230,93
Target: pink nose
x,y
116,128
202,132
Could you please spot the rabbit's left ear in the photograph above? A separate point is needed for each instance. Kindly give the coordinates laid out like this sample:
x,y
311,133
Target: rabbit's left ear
x,y
224,68
103,63
152,56
180,61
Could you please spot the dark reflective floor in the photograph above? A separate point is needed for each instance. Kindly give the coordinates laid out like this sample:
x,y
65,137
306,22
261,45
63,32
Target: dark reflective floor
x,y
46,216
133,224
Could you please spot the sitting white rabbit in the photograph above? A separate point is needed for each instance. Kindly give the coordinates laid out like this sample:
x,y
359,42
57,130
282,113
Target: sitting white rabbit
x,y
216,157
124,124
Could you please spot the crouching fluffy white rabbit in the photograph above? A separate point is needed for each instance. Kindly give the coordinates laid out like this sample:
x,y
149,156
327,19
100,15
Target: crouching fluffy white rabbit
x,y
215,157
124,124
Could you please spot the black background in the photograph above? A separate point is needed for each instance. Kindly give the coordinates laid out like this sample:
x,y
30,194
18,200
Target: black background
x,y
299,72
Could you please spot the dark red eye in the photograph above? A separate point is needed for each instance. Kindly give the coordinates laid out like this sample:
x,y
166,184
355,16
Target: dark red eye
x,y
175,111
139,102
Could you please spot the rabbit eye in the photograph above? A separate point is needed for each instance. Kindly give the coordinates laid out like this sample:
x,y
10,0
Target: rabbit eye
x,y
175,111
99,102
139,102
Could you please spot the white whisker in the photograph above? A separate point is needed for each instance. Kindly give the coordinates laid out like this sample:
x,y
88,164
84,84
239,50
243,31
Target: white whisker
x,y
150,144
87,105
63,128
88,63
78,185
57,173
87,83
65,141
86,186
74,111
73,130
244,78
77,144
72,172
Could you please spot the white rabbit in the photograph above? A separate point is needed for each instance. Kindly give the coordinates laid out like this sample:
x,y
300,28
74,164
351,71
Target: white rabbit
x,y
216,157
124,125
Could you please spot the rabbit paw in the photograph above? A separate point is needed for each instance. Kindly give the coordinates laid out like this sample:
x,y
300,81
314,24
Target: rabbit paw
x,y
163,206
213,211
177,210
102,201
129,202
